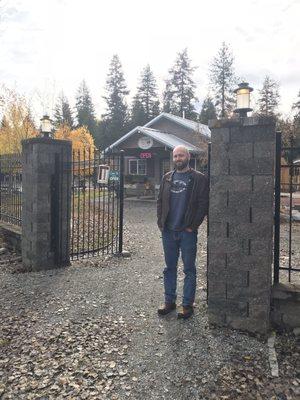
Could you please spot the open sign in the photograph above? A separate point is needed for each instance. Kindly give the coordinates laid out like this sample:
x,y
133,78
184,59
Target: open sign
x,y
145,155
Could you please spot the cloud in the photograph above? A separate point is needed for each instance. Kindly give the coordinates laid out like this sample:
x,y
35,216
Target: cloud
x,y
244,34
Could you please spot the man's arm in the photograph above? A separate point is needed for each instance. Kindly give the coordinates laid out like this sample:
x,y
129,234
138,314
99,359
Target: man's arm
x,y
159,204
202,204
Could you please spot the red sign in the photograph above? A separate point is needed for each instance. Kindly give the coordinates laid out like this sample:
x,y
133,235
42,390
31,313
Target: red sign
x,y
145,155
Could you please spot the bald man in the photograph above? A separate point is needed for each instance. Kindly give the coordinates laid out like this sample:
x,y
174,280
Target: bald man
x,y
181,207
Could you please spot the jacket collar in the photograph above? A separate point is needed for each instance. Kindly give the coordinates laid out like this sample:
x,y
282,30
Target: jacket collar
x,y
171,173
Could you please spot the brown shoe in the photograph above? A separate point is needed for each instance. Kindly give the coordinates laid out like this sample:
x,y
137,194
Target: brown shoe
x,y
166,308
185,312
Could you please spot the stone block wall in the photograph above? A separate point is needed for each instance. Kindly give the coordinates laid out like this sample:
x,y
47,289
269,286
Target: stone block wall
x,y
285,307
241,223
46,180
11,235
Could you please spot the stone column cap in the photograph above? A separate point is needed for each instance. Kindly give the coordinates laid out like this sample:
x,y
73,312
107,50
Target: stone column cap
x,y
247,121
42,140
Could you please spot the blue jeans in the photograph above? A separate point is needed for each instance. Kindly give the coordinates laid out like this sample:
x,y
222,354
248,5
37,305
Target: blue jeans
x,y
173,242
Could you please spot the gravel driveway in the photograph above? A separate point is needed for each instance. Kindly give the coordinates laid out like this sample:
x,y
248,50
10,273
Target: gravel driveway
x,y
91,331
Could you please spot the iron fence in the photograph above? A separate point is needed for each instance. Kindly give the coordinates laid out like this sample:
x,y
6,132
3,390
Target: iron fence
x,y
11,189
97,204
287,210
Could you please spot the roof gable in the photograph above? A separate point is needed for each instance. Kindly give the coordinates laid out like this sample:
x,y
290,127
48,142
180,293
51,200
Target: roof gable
x,y
194,127
186,123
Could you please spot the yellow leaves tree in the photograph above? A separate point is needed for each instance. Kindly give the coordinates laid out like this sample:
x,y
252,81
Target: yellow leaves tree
x,y
82,145
16,125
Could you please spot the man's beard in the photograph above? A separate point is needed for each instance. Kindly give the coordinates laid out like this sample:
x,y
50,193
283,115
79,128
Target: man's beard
x,y
183,165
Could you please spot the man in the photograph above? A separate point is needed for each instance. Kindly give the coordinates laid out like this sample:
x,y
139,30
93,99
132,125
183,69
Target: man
x,y
181,207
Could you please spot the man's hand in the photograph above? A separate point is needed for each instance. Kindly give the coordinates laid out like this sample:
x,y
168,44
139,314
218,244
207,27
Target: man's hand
x,y
189,230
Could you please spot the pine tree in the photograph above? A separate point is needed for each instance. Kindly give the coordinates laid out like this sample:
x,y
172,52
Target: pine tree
x,y
179,95
138,117
85,109
168,98
116,116
223,80
62,112
145,105
268,97
208,111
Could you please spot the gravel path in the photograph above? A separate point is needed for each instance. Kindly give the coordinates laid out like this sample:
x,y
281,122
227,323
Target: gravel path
x,y
91,331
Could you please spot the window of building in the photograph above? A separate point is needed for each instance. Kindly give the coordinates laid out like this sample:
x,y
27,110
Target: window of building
x,y
165,166
193,163
137,167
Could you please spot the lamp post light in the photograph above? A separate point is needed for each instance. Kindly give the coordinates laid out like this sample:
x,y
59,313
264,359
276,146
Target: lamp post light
x,y
46,127
243,99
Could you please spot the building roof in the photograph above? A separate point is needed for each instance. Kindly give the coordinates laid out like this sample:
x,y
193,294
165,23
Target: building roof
x,y
187,123
167,139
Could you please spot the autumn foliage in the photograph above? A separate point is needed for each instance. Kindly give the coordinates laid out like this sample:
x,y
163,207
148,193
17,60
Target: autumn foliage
x,y
82,145
16,125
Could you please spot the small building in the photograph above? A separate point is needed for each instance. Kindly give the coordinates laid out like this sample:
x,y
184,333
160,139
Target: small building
x,y
148,150
290,175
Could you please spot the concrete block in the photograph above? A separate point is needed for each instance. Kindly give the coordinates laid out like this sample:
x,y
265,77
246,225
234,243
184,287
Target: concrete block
x,y
217,259
263,183
259,311
220,166
216,305
264,149
229,246
217,288
223,183
219,201
250,230
249,134
237,308
237,277
254,325
220,135
247,262
250,166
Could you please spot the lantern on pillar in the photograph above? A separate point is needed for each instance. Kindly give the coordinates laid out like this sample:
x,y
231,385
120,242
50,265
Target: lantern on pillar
x,y
243,99
46,126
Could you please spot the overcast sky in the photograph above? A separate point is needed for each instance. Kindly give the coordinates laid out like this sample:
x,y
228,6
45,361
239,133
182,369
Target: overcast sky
x,y
50,45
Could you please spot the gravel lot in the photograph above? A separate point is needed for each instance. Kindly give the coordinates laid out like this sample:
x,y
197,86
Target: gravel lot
x,y
91,331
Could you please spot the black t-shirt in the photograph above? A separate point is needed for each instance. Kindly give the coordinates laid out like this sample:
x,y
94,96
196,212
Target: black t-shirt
x,y
178,201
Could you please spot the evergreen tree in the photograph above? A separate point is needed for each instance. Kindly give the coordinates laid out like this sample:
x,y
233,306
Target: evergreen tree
x,y
138,117
223,80
208,111
145,105
268,97
85,109
179,95
62,112
116,116
168,98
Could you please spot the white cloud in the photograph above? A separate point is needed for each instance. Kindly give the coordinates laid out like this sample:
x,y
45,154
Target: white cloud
x,y
50,45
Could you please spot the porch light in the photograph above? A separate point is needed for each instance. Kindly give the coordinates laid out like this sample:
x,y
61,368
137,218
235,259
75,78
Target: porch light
x,y
46,126
243,99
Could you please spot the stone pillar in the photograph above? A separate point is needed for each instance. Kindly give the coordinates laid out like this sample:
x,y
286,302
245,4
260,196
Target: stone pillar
x,y
46,204
241,223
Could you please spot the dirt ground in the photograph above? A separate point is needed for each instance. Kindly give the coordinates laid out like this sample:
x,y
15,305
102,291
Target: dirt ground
x,y
91,331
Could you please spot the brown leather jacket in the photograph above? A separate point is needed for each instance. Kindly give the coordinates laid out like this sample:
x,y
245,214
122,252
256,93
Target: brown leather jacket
x,y
197,206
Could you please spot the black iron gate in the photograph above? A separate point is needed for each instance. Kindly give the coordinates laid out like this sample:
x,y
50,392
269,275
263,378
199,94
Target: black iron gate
x,y
97,204
287,209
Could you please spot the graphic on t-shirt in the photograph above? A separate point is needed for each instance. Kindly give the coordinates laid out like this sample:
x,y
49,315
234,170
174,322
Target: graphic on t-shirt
x,y
178,186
